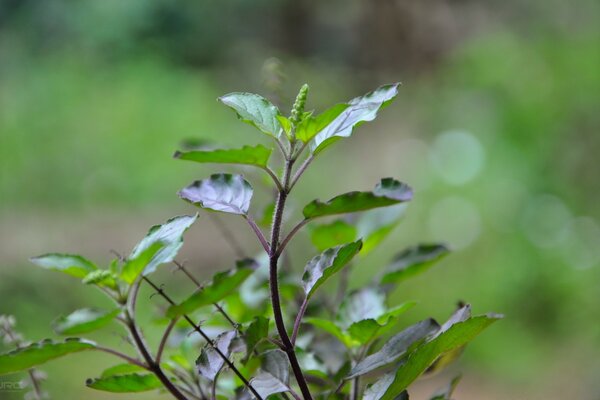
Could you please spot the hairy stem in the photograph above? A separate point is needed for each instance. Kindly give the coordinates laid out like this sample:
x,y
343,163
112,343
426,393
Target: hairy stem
x,y
299,319
258,232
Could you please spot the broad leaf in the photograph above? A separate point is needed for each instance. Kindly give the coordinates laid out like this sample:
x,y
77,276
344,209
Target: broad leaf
x,y
256,331
247,155
454,337
38,353
127,383
386,193
326,264
365,303
255,110
333,329
223,284
83,321
121,369
310,126
134,266
209,363
359,110
221,192
70,264
333,234
170,234
461,314
413,261
274,377
369,329
396,347
446,393
377,390
374,226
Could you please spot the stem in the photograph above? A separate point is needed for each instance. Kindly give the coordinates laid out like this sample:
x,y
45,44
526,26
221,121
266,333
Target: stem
x,y
125,357
227,234
301,170
290,235
355,388
163,340
299,319
258,233
288,346
273,177
231,366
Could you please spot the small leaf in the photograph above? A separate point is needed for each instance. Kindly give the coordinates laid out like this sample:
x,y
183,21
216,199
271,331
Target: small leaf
x,y
247,155
325,265
386,193
39,353
446,393
83,321
374,226
365,303
256,331
359,110
331,328
170,234
221,192
255,110
121,369
369,329
413,261
395,347
310,126
377,390
101,277
286,124
209,363
70,264
127,383
330,235
133,267
418,361
223,284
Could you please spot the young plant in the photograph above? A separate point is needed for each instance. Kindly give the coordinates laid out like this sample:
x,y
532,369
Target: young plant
x,y
344,344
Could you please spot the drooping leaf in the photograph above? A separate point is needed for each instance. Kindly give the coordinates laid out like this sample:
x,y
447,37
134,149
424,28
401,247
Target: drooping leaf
x,y
170,234
209,363
386,193
39,353
70,264
274,376
256,331
248,155
134,267
121,369
255,110
359,110
369,329
223,284
333,234
127,383
83,320
424,355
374,226
221,192
326,264
365,303
377,390
333,329
413,261
310,126
396,347
446,392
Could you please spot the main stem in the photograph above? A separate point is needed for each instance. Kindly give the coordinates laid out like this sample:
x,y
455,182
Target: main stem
x,y
288,346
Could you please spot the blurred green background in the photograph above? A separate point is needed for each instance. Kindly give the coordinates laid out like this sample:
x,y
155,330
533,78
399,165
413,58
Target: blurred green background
x,y
497,127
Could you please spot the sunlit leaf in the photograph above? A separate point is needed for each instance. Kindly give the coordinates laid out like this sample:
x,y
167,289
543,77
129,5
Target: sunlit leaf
x,y
326,264
101,277
248,155
310,126
134,267
121,369
255,110
424,355
367,330
359,110
170,235
126,383
386,193
333,234
209,363
413,261
396,347
333,329
374,226
39,353
221,192
256,331
83,321
70,264
222,285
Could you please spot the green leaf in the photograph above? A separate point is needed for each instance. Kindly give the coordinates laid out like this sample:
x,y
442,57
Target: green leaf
x,y
221,192
330,235
247,155
133,267
333,329
101,277
446,393
413,261
326,264
255,110
83,321
377,390
359,110
223,284
461,314
127,383
374,226
386,193
170,235
275,375
369,329
396,347
38,353
256,331
454,337
121,369
310,126
70,264
209,363
365,303
286,124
